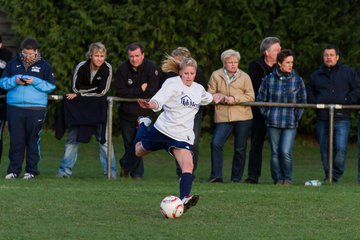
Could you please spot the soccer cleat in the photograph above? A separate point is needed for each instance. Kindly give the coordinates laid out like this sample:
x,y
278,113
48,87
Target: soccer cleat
x,y
28,176
146,120
190,201
11,176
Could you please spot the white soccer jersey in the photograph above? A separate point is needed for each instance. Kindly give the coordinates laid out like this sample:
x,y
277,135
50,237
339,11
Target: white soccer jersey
x,y
180,104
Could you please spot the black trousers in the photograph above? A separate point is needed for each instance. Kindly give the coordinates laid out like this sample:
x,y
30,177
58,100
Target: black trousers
x,y
258,133
25,127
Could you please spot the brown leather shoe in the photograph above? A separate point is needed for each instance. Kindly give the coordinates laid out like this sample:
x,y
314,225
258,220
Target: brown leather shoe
x,y
124,173
137,178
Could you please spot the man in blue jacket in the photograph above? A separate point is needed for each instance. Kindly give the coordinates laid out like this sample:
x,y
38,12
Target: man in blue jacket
x,y
333,83
28,79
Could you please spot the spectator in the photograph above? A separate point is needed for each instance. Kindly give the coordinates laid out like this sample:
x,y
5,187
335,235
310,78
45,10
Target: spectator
x,y
92,79
358,134
333,83
258,69
235,87
180,98
5,57
137,77
283,85
170,68
28,79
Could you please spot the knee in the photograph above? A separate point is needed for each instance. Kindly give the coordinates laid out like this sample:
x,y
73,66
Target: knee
x,y
188,167
215,143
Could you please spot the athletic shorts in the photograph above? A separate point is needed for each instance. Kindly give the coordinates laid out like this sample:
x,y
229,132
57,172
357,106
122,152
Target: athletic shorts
x,y
155,140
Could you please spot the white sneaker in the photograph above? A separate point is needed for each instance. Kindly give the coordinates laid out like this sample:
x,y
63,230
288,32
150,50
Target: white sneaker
x,y
146,120
62,175
28,176
11,176
190,201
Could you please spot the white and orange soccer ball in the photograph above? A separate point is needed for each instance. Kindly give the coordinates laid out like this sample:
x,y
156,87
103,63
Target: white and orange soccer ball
x,y
171,207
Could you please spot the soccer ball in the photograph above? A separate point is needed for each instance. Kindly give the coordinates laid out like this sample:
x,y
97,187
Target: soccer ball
x,y
171,207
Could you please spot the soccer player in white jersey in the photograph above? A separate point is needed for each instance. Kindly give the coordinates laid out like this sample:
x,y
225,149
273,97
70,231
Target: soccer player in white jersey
x,y
180,98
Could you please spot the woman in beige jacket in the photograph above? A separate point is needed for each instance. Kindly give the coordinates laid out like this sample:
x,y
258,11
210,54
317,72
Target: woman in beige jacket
x,y
230,117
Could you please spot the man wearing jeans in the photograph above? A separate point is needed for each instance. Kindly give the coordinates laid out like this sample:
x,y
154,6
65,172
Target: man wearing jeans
x,y
358,134
91,82
333,83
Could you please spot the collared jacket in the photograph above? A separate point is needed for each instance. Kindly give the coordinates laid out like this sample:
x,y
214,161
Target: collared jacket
x,y
336,85
31,95
280,87
240,88
98,86
128,83
258,70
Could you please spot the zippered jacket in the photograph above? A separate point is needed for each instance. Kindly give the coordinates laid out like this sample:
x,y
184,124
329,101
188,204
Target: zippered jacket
x,y
336,85
31,95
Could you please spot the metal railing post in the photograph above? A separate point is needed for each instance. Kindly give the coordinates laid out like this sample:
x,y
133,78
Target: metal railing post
x,y
331,140
109,136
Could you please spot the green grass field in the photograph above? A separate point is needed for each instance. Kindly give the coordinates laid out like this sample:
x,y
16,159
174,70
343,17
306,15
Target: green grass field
x,y
88,206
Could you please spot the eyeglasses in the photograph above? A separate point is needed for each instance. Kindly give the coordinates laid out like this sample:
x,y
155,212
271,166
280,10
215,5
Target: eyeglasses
x,y
28,54
232,63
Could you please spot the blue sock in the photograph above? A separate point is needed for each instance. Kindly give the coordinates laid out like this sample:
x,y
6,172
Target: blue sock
x,y
185,184
140,132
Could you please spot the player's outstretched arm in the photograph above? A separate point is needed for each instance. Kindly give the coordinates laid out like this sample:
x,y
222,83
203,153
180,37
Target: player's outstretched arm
x,y
147,104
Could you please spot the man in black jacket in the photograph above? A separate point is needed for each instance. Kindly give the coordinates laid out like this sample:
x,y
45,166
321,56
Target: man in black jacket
x,y
137,77
333,83
257,70
358,134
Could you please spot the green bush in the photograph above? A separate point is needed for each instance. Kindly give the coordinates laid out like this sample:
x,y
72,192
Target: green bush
x,y
65,28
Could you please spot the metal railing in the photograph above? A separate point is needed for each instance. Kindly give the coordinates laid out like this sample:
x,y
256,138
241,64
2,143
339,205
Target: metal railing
x,y
331,108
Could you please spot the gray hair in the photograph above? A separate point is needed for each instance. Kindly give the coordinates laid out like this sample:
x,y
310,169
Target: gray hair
x,y
95,47
229,53
267,43
188,62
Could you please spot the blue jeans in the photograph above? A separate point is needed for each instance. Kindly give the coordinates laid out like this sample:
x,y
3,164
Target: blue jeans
x,y
281,143
71,152
341,135
222,131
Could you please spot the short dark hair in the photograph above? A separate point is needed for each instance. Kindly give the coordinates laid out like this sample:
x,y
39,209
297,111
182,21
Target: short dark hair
x,y
284,54
134,46
0,39
332,46
29,43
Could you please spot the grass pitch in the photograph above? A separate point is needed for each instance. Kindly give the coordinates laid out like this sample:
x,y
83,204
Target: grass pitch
x,y
88,206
